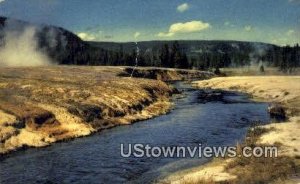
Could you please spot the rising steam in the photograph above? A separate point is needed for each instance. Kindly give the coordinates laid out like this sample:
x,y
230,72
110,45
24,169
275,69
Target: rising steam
x,y
19,46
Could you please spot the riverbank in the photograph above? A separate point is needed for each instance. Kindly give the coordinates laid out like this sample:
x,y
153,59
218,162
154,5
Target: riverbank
x,y
43,105
284,90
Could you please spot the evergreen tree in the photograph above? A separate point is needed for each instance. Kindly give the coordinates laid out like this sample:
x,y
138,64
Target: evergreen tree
x,y
165,56
262,68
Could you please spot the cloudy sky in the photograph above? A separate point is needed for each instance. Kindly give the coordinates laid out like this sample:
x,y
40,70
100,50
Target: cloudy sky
x,y
271,21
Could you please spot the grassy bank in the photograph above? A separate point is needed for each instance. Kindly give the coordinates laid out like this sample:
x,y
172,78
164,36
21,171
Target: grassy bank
x,y
42,105
284,90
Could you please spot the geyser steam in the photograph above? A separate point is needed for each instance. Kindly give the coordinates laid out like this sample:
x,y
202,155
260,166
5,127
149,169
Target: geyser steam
x,y
19,46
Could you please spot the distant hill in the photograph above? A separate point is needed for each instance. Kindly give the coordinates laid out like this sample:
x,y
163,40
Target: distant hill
x,y
190,46
199,53
65,47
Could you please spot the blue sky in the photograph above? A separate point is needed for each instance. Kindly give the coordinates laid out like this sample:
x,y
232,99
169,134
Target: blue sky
x,y
272,21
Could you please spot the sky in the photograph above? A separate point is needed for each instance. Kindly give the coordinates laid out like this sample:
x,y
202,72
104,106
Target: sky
x,y
270,21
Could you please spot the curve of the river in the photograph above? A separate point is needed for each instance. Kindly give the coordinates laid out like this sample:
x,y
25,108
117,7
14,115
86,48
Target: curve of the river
x,y
97,159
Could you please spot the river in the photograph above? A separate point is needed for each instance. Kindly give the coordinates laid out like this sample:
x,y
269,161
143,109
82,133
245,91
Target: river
x,y
97,158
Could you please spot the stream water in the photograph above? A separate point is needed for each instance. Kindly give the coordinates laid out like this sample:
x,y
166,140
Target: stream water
x,y
97,158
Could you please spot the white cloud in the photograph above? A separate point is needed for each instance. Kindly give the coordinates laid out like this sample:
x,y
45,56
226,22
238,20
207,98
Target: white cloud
x,y
91,35
1,1
248,28
280,41
162,34
86,36
290,32
187,27
183,7
296,1
137,34
227,23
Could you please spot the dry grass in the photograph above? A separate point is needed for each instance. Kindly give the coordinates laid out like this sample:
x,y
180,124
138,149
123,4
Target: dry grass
x,y
195,181
254,71
41,105
252,170
246,170
167,74
261,170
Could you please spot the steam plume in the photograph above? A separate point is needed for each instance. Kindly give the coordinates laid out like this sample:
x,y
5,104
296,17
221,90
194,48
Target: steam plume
x,y
19,45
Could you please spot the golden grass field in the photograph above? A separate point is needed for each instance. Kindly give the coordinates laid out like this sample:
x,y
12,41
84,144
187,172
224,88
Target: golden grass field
x,y
41,105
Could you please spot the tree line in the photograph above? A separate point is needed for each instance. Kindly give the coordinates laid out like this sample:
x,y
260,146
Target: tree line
x,y
174,55
286,58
